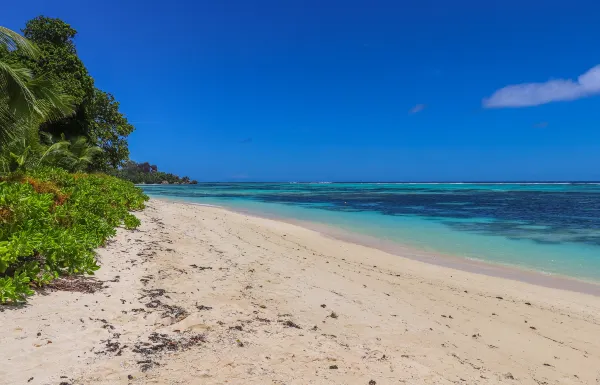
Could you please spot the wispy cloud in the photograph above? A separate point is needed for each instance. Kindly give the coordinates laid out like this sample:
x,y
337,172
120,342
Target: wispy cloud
x,y
540,125
417,108
247,140
557,90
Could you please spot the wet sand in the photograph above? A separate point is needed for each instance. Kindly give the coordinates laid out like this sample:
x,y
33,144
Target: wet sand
x,y
446,260
201,295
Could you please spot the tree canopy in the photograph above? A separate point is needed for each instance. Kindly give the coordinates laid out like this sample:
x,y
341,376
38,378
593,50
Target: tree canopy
x,y
108,130
96,113
51,113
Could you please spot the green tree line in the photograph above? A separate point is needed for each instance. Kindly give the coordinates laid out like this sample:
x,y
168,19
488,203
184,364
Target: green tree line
x,y
58,134
146,173
42,72
51,111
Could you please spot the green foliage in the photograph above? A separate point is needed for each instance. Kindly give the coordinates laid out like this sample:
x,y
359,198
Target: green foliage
x,y
96,113
51,222
25,98
26,151
12,41
27,101
58,57
108,130
75,155
80,154
16,96
146,173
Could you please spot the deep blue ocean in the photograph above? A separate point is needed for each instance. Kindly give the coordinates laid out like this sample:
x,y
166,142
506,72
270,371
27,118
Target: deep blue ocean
x,y
551,228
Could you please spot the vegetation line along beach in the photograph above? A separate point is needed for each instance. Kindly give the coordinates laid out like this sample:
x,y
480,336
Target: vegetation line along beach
x,y
58,133
60,140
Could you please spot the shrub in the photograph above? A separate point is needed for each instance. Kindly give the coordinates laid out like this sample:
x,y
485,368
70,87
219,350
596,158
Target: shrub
x,y
51,222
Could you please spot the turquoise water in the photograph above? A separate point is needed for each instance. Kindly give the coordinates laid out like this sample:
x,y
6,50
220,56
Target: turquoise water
x,y
551,228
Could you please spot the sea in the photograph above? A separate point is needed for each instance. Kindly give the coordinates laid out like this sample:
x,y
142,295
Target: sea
x,y
548,228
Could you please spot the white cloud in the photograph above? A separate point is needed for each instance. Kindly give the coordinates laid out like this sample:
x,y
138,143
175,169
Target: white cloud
x,y
534,94
417,108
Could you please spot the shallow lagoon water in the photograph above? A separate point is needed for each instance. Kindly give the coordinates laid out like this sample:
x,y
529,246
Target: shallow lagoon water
x,y
550,228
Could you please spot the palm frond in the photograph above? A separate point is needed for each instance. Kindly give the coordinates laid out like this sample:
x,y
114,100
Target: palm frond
x,y
14,81
13,41
46,138
18,154
6,123
51,102
26,101
82,153
29,101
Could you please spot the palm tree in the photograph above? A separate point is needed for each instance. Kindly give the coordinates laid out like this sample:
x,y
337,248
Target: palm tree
x,y
26,101
81,154
16,97
24,98
25,151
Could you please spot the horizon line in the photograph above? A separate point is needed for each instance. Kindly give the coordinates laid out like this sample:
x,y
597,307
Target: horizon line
x,y
417,182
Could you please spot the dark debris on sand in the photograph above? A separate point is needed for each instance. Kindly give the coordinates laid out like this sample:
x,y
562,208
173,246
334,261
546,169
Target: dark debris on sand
x,y
113,347
160,343
176,312
290,324
75,283
153,293
201,267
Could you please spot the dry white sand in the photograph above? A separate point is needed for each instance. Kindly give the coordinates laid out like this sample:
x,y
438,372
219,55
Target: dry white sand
x,y
201,295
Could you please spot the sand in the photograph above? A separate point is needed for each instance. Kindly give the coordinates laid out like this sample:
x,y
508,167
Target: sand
x,y
201,295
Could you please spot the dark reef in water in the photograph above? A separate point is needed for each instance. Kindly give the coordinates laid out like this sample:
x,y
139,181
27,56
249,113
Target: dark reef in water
x,y
546,214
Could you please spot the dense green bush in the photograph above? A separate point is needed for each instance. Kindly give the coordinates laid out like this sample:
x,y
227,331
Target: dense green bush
x,y
51,222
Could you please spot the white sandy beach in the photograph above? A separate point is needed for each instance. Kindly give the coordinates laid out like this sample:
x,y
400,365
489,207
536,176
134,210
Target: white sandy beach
x,y
202,295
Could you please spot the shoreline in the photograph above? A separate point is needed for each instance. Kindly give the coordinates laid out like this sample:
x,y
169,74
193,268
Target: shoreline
x,y
204,295
476,266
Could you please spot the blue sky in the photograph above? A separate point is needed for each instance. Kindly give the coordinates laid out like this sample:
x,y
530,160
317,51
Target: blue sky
x,y
348,90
